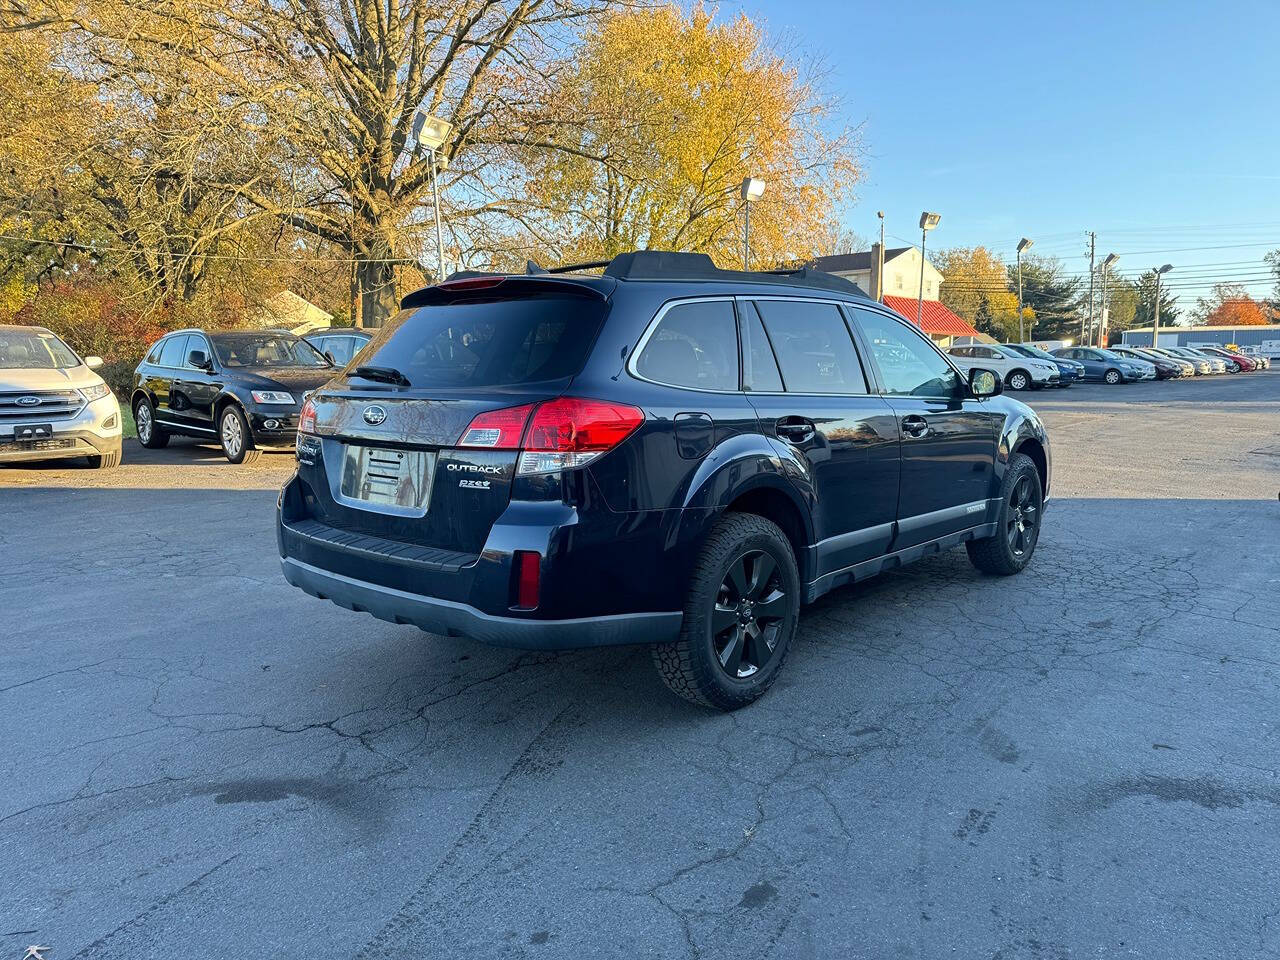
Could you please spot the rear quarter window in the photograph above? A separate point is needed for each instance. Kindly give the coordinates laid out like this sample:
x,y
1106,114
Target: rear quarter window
x,y
488,343
695,344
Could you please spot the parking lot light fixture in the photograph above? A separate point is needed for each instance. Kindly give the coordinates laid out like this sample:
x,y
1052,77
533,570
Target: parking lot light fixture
x,y
752,189
927,222
1155,322
432,132
1106,313
1023,244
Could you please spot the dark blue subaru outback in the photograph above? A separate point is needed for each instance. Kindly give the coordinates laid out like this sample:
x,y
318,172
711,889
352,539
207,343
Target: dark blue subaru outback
x,y
667,454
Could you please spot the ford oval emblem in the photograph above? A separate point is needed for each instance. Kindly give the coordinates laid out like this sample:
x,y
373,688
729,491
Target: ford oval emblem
x,y
28,401
374,414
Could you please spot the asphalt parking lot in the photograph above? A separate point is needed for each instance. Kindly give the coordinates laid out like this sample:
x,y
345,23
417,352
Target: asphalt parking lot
x,y
1079,762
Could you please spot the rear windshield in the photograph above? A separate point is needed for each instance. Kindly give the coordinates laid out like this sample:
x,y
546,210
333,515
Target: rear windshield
x,y
488,344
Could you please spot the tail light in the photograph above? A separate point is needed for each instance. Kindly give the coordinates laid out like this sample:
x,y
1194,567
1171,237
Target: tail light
x,y
497,429
307,418
556,435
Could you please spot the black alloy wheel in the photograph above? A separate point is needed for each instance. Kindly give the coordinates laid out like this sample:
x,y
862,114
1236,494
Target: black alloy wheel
x,y
750,610
1022,525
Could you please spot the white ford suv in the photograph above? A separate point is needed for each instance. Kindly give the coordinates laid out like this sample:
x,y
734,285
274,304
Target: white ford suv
x,y
52,404
1017,371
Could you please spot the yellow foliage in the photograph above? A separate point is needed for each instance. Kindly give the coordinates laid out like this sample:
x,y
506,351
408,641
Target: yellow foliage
x,y
667,113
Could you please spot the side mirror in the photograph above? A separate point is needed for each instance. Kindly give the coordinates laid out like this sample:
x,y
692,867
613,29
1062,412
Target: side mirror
x,y
93,363
199,360
985,383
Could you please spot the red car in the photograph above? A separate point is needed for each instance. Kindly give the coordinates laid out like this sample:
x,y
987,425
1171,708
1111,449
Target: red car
x,y
1239,359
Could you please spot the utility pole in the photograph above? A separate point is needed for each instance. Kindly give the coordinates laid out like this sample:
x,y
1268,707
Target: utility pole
x,y
880,261
1083,338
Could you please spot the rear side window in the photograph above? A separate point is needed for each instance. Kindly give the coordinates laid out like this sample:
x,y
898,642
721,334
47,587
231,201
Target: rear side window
x,y
488,344
695,344
174,352
813,347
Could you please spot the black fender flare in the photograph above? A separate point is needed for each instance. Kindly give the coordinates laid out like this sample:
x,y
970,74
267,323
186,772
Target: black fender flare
x,y
1023,432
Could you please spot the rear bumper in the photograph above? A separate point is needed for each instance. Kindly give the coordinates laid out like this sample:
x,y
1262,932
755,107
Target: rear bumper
x,y
450,618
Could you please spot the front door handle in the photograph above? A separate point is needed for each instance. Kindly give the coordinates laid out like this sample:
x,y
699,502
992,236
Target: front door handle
x,y
915,426
795,429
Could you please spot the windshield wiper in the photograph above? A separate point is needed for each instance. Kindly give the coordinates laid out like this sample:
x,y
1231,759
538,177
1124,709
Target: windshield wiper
x,y
382,375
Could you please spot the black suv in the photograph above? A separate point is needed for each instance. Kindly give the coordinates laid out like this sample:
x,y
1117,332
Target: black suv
x,y
242,387
667,454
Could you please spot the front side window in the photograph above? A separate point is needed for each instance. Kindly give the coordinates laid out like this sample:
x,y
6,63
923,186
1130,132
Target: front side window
x,y
813,347
174,353
909,364
265,350
694,345
340,348
195,343
34,350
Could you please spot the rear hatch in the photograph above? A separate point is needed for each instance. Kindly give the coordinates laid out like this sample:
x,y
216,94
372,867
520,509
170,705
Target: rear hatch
x,y
383,458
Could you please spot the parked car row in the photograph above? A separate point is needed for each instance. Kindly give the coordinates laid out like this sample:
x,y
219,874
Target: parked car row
x,y
1024,366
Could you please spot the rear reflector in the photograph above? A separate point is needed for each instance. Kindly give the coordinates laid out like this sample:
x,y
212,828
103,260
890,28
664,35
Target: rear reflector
x,y
528,578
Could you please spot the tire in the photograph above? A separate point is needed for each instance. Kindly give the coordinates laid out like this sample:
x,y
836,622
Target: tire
x,y
1112,377
731,667
1018,380
104,461
149,433
234,435
1010,549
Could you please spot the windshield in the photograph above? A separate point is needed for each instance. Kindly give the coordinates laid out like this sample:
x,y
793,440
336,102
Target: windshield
x,y
488,344
34,350
265,350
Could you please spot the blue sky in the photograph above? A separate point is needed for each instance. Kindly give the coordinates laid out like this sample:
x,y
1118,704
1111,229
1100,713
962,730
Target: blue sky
x,y
1154,124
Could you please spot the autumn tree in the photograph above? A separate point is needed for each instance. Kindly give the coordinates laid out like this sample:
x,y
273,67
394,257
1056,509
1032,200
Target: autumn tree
x,y
323,94
1230,306
976,287
644,141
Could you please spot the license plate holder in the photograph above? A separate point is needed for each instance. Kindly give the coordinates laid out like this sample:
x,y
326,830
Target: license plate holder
x,y
26,432
386,479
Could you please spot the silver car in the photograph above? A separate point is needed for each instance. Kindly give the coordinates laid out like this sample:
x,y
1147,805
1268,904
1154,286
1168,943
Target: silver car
x,y
52,404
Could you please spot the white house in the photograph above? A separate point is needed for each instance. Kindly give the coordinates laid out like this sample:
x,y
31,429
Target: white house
x,y
901,272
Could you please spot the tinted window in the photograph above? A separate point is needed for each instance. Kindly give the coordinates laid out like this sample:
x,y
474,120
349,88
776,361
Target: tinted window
x,y
195,342
760,368
961,351
340,348
154,355
694,345
909,365
813,347
174,353
986,353
488,343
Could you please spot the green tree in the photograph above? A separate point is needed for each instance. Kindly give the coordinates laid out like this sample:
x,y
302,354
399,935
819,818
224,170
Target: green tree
x,y
1144,310
1051,294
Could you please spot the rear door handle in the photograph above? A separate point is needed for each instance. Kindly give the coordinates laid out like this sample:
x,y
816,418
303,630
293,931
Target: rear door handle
x,y
795,429
915,426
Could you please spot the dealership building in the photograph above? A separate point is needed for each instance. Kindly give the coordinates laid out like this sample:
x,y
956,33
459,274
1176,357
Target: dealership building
x,y
1256,338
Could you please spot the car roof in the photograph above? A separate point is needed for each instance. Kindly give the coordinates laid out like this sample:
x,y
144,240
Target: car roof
x,y
27,326
642,267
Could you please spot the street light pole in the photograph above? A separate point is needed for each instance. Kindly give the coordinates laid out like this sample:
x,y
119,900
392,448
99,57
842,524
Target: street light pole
x,y
1106,313
1023,244
432,132
752,189
1155,322
927,222
880,261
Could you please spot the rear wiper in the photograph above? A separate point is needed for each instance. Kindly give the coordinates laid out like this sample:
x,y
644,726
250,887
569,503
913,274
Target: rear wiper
x,y
383,375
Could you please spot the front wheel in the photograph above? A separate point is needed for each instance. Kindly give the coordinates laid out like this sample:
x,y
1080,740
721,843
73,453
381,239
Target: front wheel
x,y
150,435
1018,380
233,434
1112,377
740,615
1009,549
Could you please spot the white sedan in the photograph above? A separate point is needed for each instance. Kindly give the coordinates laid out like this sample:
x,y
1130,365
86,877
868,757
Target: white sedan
x,y
1018,372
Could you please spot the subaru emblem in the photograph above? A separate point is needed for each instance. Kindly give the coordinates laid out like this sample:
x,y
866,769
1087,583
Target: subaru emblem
x,y
374,414
28,401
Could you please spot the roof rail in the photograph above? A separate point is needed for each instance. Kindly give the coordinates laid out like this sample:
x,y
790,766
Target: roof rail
x,y
673,265
669,265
